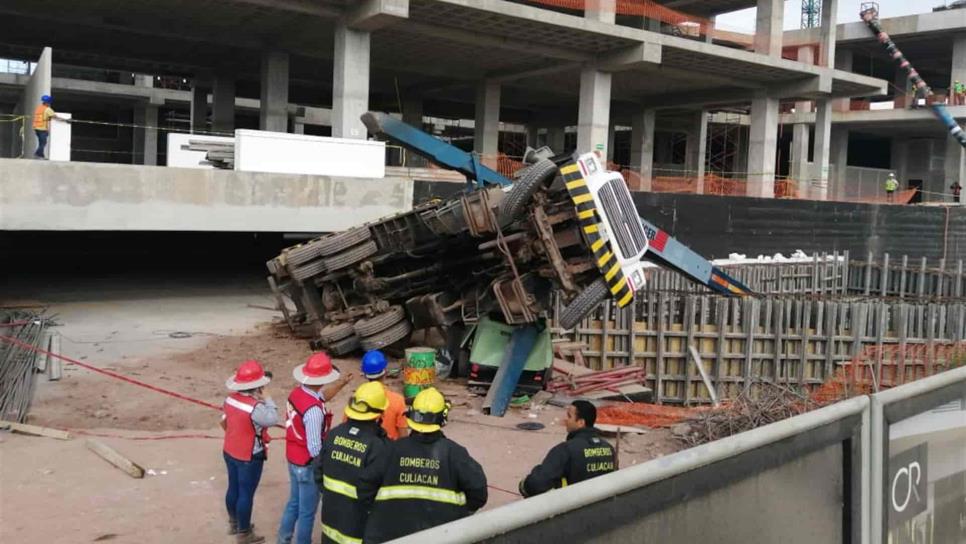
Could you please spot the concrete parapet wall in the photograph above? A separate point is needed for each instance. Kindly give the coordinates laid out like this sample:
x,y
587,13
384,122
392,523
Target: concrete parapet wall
x,y
37,195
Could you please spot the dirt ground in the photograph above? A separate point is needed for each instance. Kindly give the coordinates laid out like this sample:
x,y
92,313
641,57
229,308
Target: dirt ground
x,y
58,491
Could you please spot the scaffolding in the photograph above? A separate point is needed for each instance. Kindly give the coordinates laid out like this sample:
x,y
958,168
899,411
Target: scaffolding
x,y
725,143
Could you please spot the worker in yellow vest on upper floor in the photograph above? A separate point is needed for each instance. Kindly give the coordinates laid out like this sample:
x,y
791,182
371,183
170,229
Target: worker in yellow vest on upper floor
x,y
42,116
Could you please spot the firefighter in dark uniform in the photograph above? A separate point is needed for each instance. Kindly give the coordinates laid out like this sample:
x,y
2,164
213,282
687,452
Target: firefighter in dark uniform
x,y
428,479
351,453
583,456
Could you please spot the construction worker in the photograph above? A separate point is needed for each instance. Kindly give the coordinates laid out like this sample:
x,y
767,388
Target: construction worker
x,y
959,92
42,116
374,365
956,189
248,413
352,452
584,455
306,423
891,184
427,479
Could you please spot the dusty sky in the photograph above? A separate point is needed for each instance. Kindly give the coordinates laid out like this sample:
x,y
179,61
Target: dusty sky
x,y
744,20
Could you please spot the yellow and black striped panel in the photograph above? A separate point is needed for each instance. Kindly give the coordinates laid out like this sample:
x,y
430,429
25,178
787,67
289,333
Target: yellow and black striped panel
x,y
620,290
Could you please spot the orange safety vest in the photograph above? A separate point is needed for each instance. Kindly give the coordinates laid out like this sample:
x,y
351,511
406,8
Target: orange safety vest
x,y
40,123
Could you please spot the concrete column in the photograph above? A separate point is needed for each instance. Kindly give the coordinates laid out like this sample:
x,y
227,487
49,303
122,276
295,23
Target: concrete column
x,y
801,143
958,71
900,158
350,93
593,116
37,85
839,151
953,166
486,132
557,139
532,131
823,144
611,141
697,149
843,61
273,115
768,27
762,146
199,107
902,94
604,11
223,104
413,115
145,144
709,31
826,46
642,146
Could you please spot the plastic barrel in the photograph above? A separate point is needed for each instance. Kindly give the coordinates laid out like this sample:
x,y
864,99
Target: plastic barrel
x,y
419,371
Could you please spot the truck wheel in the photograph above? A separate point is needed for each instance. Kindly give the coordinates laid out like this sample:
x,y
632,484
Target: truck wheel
x,y
344,346
350,257
581,306
302,253
335,331
523,190
387,337
331,245
380,322
303,273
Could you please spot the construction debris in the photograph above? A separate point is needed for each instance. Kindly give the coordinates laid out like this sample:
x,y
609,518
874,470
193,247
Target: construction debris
x,y
773,403
34,430
218,154
623,383
18,364
111,455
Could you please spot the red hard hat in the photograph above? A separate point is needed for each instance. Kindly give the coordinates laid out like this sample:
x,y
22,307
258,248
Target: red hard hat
x,y
317,370
249,375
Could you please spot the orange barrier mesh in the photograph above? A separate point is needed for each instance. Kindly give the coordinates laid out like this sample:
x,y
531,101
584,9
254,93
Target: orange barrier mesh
x,y
640,8
633,414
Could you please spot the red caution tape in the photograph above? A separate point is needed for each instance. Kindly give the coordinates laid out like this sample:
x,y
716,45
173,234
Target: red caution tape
x,y
114,375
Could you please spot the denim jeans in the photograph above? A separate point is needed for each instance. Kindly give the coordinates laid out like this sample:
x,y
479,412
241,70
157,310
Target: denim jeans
x,y
303,502
243,477
41,142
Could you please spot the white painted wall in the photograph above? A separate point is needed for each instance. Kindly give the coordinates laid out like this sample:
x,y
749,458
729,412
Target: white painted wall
x,y
182,158
58,145
283,153
38,86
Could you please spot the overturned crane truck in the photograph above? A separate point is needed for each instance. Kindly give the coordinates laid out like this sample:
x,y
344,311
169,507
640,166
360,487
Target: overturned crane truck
x,y
565,226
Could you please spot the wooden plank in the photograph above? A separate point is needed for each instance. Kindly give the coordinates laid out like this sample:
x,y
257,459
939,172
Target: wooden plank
x,y
884,277
868,275
721,321
921,288
659,367
35,430
903,275
604,330
704,374
111,455
689,313
751,313
830,334
55,367
804,321
846,271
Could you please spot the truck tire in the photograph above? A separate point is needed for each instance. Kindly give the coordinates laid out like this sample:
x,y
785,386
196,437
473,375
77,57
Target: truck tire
x,y
581,306
351,256
334,332
387,337
302,253
344,346
522,191
311,269
380,322
331,245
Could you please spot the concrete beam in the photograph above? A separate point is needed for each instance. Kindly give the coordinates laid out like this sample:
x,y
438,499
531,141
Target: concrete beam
x,y
350,83
519,45
305,7
593,117
273,114
370,15
515,75
644,55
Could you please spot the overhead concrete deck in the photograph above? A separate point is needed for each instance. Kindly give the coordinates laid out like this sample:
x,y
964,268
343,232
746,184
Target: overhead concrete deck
x,y
424,45
933,24
45,196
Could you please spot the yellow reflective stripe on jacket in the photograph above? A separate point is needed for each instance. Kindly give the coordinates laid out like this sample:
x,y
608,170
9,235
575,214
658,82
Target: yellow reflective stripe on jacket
x,y
387,493
340,487
336,536
563,482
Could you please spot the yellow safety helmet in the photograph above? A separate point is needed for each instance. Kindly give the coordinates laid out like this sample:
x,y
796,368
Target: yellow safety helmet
x,y
428,412
368,402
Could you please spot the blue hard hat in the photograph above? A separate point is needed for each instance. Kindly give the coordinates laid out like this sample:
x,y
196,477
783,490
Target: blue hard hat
x,y
374,364
46,98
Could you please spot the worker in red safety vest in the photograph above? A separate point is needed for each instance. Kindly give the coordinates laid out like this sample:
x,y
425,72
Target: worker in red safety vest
x,y
248,413
307,421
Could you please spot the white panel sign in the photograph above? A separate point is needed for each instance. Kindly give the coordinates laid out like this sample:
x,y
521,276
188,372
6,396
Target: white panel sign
x,y
283,153
58,148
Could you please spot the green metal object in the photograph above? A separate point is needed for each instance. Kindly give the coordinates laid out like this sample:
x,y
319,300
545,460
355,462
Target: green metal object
x,y
492,338
811,13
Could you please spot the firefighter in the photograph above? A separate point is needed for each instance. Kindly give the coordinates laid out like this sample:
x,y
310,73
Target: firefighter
x,y
306,423
374,365
248,413
584,455
427,480
352,452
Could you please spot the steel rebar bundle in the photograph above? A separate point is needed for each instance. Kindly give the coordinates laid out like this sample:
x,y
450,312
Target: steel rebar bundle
x,y
17,364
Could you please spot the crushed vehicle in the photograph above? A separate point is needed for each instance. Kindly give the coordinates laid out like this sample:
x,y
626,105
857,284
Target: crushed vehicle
x,y
565,226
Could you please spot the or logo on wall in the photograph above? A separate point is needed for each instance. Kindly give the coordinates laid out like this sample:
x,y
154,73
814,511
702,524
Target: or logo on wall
x,y
907,492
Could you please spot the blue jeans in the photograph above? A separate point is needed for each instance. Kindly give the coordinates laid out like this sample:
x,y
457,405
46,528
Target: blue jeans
x,y
303,502
243,477
41,142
